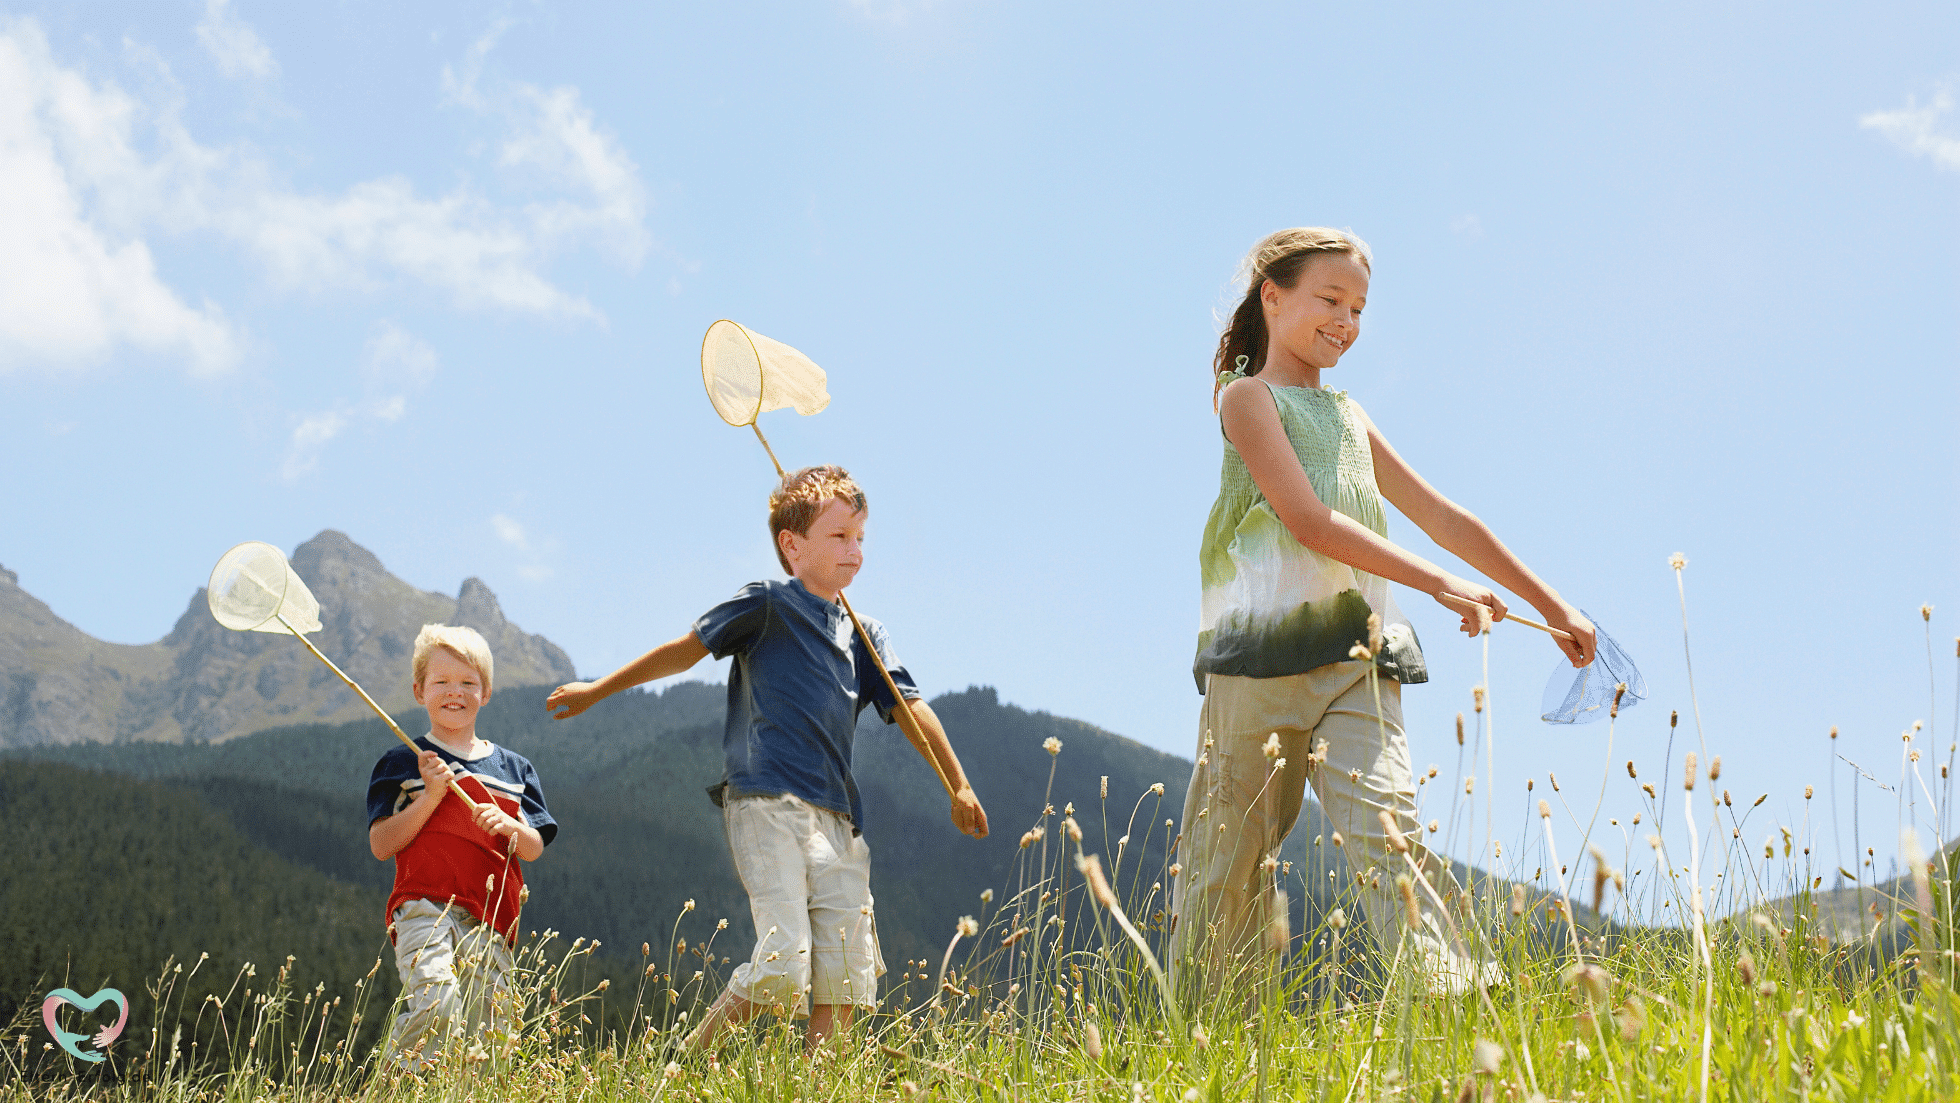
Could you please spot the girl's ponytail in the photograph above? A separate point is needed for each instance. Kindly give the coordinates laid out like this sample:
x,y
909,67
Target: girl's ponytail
x,y
1279,257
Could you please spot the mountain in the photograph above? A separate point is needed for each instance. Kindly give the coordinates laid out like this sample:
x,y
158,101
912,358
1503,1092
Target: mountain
x,y
638,836
205,683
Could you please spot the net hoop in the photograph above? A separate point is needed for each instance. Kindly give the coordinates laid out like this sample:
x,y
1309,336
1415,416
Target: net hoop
x,y
747,375
253,586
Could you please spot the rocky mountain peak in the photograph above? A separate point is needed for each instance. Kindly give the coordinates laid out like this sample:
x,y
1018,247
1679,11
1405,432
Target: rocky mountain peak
x,y
57,684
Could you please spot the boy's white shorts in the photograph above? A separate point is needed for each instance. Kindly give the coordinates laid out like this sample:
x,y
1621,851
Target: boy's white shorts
x,y
809,885
453,966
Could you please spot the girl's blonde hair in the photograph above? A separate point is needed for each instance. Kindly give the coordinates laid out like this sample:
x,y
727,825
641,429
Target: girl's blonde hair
x,y
1279,257
466,644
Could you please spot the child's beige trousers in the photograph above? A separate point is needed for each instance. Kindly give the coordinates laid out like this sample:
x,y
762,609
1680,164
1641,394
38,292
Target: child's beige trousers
x,y
1240,808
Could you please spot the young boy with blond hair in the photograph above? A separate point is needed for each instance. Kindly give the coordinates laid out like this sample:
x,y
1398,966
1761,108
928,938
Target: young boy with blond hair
x,y
789,803
459,884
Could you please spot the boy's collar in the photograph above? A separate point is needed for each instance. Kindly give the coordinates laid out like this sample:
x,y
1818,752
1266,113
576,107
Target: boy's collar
x,y
478,748
813,595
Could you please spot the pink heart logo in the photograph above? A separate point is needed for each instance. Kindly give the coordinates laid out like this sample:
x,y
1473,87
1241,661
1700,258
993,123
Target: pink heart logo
x,y
67,1040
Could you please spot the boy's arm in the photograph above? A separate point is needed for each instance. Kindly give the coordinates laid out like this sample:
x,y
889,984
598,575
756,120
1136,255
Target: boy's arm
x,y
667,660
967,814
388,835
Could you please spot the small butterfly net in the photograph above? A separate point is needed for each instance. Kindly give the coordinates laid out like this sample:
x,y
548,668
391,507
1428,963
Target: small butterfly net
x,y
1585,695
254,589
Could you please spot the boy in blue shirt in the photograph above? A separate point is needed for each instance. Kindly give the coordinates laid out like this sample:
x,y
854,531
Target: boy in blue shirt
x,y
790,805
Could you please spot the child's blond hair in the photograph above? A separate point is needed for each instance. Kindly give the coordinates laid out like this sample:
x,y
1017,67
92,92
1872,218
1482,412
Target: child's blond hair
x,y
466,644
796,501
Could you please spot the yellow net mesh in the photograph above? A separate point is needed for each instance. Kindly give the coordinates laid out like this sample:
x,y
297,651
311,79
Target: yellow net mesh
x,y
253,585
748,374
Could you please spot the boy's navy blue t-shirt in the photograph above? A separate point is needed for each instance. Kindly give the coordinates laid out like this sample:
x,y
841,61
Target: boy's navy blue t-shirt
x,y
801,676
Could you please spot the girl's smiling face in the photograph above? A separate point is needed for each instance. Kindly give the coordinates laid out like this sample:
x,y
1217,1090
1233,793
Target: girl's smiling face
x,y
1316,320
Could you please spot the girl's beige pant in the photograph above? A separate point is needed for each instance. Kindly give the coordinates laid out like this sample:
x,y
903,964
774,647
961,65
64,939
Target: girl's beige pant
x,y
1228,925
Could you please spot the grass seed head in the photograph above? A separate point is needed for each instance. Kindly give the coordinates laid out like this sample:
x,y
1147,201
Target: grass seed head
x,y
1688,772
1394,832
1459,723
1375,632
1487,1057
1715,770
1630,771
1406,889
1517,900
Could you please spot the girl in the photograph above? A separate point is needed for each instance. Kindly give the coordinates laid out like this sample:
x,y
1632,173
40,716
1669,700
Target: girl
x,y
1296,565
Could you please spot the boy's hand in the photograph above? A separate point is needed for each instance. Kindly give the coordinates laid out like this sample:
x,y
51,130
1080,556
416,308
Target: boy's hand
x,y
968,816
573,698
435,774
494,820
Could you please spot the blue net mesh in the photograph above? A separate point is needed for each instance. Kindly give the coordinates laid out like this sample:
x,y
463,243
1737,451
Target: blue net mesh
x,y
1584,695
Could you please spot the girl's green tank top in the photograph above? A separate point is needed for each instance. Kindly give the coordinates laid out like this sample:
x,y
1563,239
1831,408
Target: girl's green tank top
x,y
1273,607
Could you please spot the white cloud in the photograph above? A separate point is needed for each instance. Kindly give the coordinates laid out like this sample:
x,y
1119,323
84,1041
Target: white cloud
x,y
234,46
394,364
1467,226
71,290
1916,129
554,139
510,532
86,170
309,437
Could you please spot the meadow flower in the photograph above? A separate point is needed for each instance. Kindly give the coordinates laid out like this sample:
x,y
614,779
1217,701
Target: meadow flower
x,y
968,928
986,896
1052,745
1677,561
1360,651
1271,747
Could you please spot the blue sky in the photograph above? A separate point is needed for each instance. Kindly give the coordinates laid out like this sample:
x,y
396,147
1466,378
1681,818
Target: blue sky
x,y
436,275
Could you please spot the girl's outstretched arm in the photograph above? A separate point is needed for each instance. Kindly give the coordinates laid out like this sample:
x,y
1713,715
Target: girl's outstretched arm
x,y
1251,423
1459,532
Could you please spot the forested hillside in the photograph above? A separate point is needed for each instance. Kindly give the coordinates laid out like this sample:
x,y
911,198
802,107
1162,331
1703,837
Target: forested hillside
x,y
638,835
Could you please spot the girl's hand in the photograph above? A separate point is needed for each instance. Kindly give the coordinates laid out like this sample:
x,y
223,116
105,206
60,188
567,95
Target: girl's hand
x,y
1584,642
435,774
572,697
1454,595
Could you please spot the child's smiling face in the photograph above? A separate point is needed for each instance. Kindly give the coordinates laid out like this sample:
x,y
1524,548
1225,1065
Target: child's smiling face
x,y
827,558
1319,318
452,690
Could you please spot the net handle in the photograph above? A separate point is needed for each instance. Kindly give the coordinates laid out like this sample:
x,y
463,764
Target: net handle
x,y
1466,603
378,711
903,711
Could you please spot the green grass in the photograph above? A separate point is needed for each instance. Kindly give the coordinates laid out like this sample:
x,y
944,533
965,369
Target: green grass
x,y
1725,974
1068,1010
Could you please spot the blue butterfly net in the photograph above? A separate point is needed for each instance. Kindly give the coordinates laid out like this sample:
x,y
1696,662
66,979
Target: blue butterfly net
x,y
1584,695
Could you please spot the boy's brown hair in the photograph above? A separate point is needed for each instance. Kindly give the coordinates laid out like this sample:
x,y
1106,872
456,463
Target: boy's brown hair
x,y
796,501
